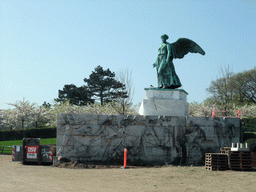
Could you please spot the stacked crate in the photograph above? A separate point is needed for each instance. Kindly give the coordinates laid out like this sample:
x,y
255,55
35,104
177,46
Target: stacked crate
x,y
216,161
225,150
253,157
240,160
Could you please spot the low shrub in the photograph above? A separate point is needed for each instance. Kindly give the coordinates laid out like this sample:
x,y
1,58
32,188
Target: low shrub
x,y
249,124
251,144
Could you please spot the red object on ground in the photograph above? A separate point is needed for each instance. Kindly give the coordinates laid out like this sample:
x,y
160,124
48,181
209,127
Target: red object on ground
x,y
125,157
239,114
213,113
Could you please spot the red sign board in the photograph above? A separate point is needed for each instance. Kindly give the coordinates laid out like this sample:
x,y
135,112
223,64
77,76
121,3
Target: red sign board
x,y
32,152
31,149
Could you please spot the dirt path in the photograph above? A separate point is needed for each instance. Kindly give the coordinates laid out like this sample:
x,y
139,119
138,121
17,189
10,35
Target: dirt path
x,y
16,177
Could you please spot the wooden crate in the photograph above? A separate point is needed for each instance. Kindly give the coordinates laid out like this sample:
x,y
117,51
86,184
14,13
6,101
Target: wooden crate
x,y
253,157
216,161
225,150
215,168
239,160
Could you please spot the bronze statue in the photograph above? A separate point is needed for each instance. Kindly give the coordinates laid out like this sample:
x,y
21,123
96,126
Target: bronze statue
x,y
166,75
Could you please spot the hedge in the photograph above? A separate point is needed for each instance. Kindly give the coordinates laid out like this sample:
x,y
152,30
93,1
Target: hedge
x,y
42,133
249,124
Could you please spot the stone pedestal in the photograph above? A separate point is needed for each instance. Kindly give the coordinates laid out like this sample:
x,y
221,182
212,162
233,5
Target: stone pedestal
x,y
168,102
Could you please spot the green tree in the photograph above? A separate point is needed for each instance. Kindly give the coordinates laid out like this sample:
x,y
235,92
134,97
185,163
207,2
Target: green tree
x,y
222,90
123,104
46,105
76,95
233,89
245,82
103,85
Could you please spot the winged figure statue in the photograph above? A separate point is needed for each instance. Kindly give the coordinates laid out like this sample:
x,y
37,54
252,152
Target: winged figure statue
x,y
166,75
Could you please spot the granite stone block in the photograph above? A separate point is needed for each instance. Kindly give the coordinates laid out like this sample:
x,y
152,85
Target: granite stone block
x,y
151,139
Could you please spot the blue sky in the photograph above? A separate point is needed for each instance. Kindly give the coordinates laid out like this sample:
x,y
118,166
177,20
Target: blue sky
x,y
45,44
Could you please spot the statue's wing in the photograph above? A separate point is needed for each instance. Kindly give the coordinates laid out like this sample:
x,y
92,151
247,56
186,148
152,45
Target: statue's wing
x,y
183,45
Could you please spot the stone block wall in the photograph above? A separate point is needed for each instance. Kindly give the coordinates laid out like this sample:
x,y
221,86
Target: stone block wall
x,y
148,139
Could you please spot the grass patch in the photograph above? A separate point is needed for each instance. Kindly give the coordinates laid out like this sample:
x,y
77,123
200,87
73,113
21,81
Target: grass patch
x,y
49,141
7,150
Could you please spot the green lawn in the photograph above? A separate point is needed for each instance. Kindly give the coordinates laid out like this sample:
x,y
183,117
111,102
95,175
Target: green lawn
x,y
8,150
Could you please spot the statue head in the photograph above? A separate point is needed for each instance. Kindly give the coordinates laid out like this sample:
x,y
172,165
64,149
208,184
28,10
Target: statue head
x,y
164,37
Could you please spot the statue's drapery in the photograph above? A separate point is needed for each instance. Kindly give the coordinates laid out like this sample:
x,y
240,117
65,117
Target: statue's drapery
x,y
166,74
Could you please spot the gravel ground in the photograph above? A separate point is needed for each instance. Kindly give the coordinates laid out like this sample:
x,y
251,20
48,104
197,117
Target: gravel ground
x,y
72,177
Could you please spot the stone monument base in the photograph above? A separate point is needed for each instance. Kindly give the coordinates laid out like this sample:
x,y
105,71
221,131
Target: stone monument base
x,y
168,102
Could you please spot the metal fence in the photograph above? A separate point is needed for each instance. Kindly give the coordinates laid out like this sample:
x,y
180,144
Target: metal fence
x,y
6,149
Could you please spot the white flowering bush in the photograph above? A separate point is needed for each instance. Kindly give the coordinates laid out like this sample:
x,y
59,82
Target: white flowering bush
x,y
29,115
40,115
26,114
205,110
96,108
201,109
246,110
9,118
20,116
